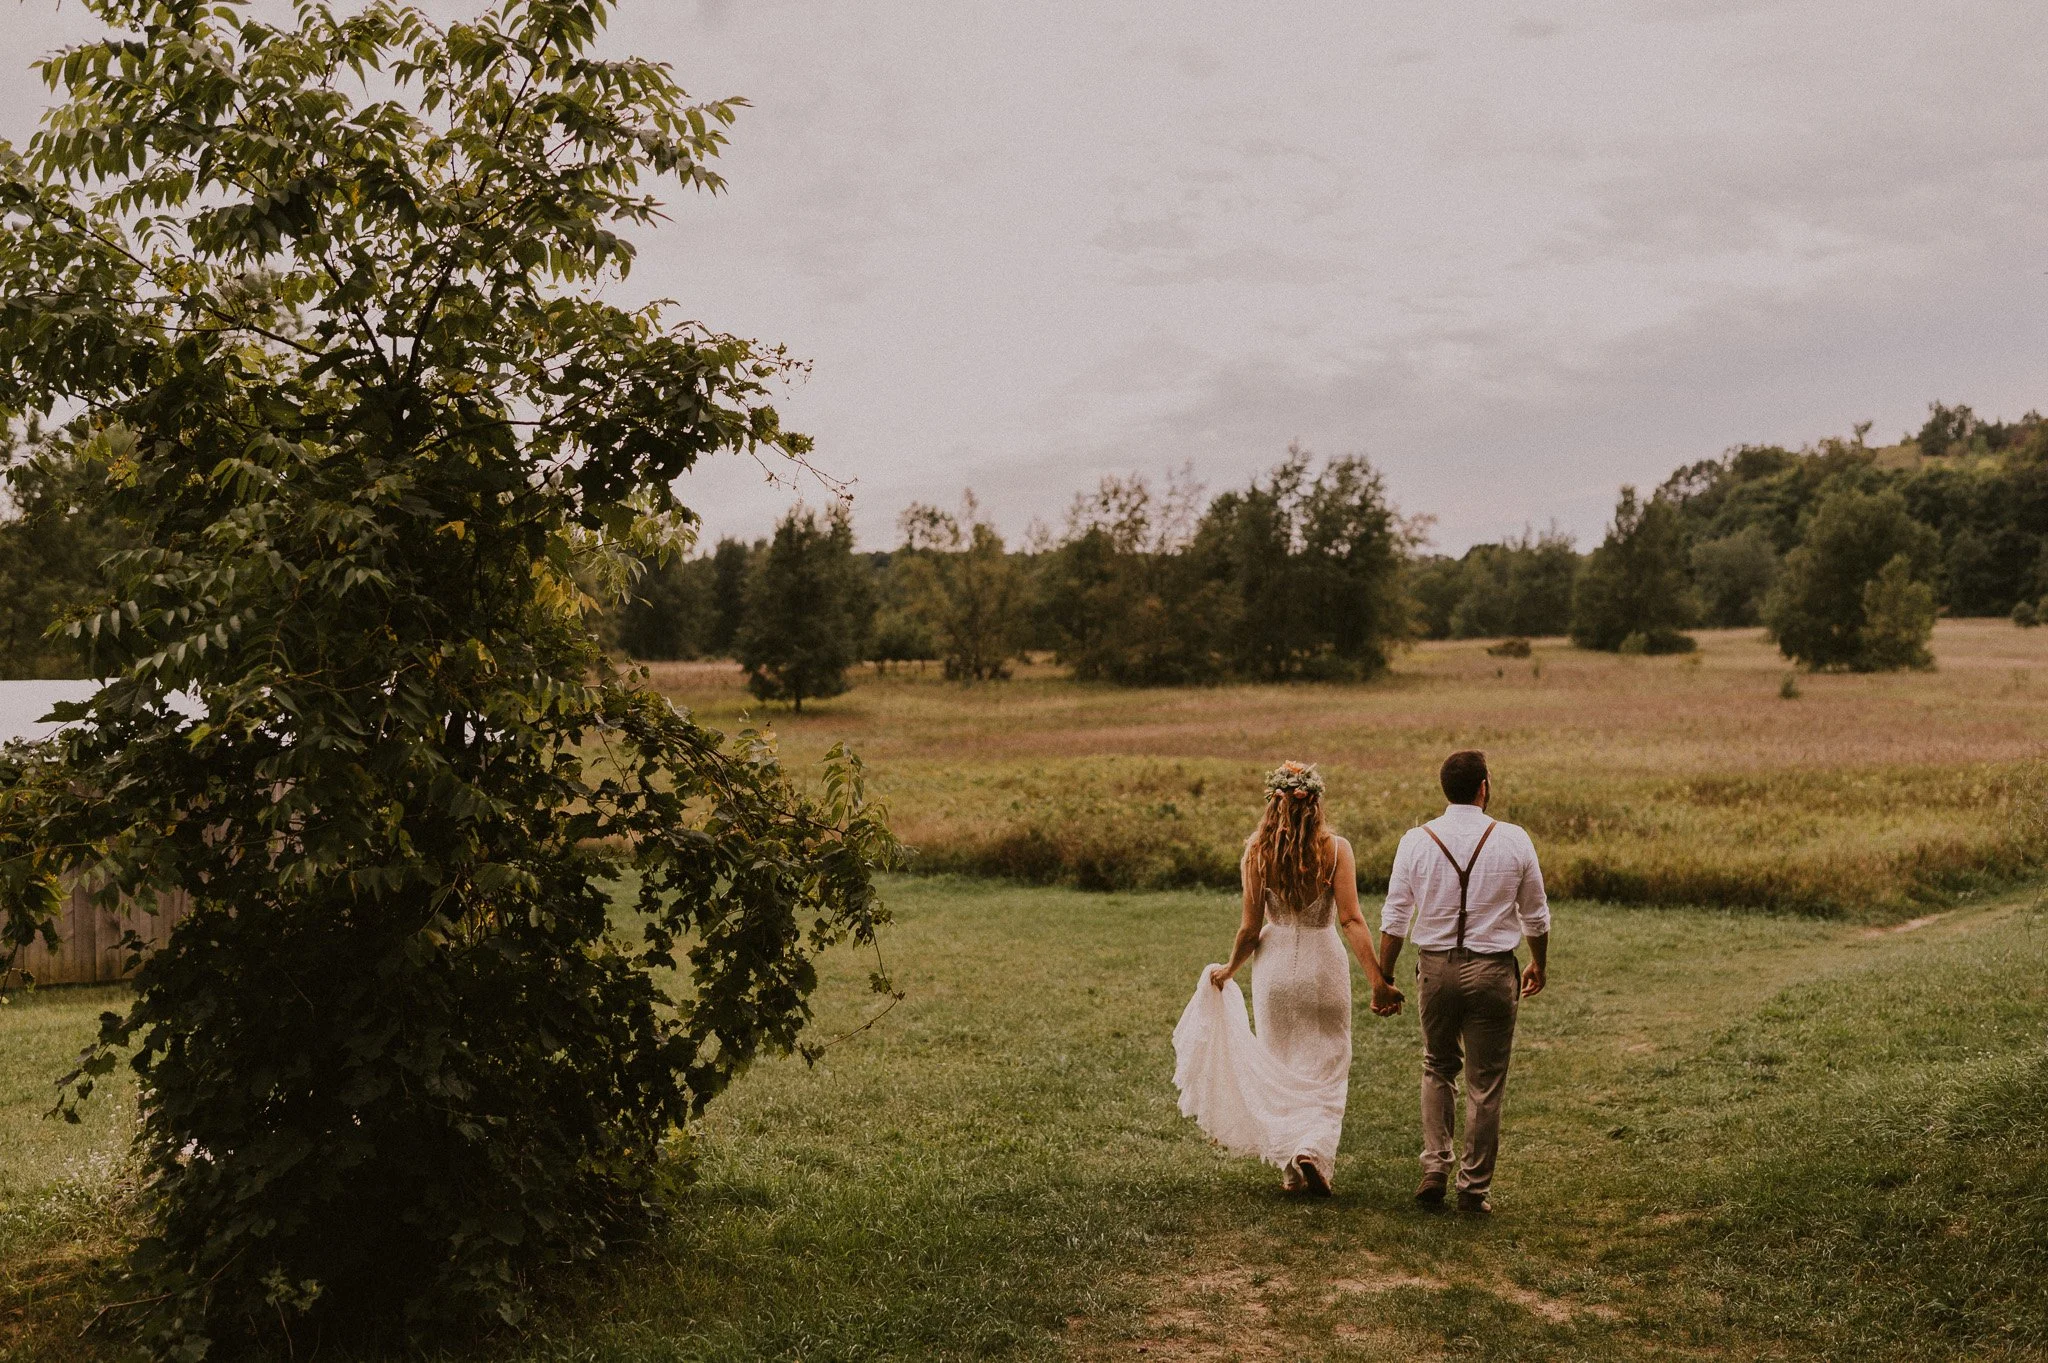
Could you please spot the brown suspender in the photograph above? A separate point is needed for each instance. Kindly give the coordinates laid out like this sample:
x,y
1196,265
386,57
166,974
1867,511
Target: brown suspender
x,y
1464,872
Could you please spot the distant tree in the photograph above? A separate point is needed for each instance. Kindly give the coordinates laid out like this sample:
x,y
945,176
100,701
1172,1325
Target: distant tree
x,y
669,613
1123,596
58,532
1946,428
1543,573
1819,609
959,578
730,563
1311,560
1521,587
1436,585
1635,583
902,631
807,609
1732,575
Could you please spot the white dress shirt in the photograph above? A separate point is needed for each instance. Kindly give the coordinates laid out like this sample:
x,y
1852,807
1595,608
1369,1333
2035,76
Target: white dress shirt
x,y
1504,902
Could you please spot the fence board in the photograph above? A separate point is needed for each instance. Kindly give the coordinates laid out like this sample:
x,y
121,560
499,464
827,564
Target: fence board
x,y
89,939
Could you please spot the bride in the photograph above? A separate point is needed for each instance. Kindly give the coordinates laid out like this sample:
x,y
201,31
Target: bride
x,y
1280,1094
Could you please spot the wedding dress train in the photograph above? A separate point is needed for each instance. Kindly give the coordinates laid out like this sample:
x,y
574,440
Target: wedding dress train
x,y
1277,1093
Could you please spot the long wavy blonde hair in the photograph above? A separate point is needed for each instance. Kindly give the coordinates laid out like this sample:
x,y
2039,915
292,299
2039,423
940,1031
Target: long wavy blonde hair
x,y
1292,852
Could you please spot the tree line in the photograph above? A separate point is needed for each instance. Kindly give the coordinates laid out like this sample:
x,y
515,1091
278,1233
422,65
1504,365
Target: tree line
x,y
1845,551
1308,571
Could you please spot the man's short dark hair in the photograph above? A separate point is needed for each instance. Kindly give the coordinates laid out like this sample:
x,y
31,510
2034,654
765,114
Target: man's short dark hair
x,y
1463,774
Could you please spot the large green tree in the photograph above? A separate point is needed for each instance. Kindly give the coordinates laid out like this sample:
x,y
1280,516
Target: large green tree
x,y
1121,595
324,301
963,582
1855,594
808,609
1634,586
1311,559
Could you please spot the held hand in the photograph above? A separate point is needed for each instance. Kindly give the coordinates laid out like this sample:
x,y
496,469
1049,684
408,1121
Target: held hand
x,y
1386,999
1532,981
1219,975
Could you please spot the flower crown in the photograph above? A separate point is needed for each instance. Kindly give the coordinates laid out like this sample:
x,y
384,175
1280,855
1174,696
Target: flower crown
x,y
1294,779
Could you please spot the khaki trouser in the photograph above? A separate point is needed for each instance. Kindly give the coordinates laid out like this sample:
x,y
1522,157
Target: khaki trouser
x,y
1468,1002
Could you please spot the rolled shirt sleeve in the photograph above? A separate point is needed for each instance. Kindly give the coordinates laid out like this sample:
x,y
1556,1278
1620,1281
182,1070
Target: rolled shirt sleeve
x,y
1531,903
1397,915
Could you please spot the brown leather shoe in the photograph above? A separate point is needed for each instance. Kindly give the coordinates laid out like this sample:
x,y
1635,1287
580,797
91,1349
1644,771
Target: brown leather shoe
x,y
1431,1191
1474,1204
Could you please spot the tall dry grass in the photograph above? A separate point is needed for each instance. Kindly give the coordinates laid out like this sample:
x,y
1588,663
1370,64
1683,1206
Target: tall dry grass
x,y
1645,780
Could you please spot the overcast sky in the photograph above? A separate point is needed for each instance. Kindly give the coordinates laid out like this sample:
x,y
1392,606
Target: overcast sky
x,y
1515,254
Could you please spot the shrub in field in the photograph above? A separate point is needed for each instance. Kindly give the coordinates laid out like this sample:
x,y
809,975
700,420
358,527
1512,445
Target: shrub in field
x,y
1635,582
2026,615
349,376
808,607
1820,609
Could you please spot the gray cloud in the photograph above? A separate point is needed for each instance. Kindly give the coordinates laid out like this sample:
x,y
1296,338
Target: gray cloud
x,y
1518,257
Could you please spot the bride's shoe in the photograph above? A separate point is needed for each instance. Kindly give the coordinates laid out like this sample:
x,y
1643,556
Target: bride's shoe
x,y
1290,1177
1312,1177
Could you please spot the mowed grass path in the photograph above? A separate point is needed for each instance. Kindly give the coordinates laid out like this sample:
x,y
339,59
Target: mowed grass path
x,y
1676,780
1727,1137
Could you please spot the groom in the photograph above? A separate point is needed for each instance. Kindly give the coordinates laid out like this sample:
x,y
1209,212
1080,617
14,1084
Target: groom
x,y
1468,890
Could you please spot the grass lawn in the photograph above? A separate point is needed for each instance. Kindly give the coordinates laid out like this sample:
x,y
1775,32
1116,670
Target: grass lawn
x,y
1728,1136
1676,780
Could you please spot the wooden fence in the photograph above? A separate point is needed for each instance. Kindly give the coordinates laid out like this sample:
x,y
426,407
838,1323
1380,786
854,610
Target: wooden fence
x,y
89,940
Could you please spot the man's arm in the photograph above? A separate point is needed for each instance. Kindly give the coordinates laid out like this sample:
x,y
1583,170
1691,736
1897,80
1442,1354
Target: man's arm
x,y
1539,958
1534,907
1395,918
1390,952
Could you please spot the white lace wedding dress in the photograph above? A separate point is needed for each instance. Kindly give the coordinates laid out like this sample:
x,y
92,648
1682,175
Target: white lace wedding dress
x,y
1277,1094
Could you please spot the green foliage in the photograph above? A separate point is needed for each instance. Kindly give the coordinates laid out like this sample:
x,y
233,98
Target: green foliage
x,y
1123,597
1819,611
51,548
1898,619
808,605
1310,561
1297,576
2026,615
1521,587
902,631
669,613
954,574
1732,575
347,371
730,563
1982,486
1635,582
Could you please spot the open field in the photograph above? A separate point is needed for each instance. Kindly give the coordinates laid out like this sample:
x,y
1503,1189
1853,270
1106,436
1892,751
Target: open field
x,y
1677,780
1729,1136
